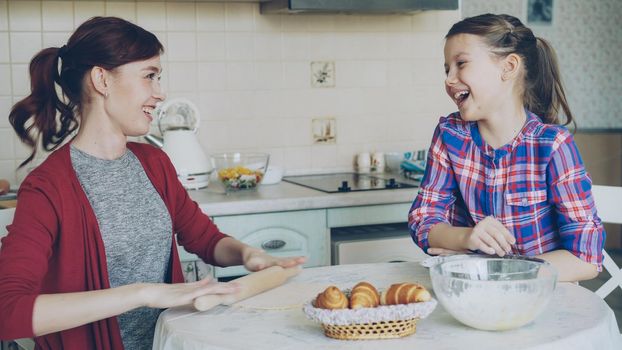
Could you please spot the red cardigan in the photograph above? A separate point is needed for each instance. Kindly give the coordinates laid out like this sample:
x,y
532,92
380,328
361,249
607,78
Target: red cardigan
x,y
54,246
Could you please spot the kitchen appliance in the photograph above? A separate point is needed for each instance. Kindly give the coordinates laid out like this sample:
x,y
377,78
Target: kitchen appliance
x,y
177,121
374,244
347,182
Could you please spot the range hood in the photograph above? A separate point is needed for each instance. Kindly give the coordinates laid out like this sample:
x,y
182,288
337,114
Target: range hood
x,y
355,6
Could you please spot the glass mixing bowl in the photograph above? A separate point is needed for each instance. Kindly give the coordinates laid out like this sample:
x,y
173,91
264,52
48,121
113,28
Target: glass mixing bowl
x,y
493,293
240,170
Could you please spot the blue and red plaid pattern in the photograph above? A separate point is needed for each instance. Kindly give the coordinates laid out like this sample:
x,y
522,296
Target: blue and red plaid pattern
x,y
536,186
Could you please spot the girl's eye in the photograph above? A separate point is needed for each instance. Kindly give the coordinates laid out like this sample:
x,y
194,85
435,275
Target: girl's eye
x,y
461,63
154,76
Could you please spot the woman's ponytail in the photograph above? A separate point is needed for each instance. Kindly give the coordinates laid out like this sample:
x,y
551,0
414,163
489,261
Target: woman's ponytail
x,y
545,94
34,118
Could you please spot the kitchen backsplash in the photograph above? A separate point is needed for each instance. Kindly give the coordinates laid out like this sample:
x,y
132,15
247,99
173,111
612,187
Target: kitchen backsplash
x,y
250,75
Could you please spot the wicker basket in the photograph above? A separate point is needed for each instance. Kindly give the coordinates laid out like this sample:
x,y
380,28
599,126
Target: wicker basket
x,y
375,330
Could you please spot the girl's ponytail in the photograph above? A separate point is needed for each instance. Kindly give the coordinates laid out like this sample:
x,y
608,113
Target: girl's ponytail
x,y
545,94
34,118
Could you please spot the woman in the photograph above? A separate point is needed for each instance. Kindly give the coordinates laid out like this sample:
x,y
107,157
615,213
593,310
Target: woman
x,y
91,258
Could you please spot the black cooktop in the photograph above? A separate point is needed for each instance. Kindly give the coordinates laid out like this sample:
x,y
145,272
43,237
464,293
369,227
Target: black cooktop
x,y
346,182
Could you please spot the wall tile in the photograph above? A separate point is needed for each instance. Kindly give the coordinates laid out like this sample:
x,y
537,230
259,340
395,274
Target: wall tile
x,y
267,46
182,46
212,76
58,15
4,47
239,17
4,18
296,75
6,151
55,39
180,16
25,15
151,16
267,23
239,46
24,45
83,10
295,46
7,171
5,79
5,107
211,46
182,77
240,104
125,10
268,75
211,17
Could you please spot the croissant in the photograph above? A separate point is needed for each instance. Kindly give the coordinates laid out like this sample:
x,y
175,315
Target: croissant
x,y
331,298
404,293
364,295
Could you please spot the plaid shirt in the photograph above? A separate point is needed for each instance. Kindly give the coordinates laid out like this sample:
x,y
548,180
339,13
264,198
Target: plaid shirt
x,y
536,186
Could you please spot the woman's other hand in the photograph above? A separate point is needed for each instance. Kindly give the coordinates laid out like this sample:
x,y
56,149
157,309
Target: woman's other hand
x,y
162,295
491,237
257,259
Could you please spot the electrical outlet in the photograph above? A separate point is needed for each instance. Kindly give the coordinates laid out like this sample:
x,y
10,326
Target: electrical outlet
x,y
324,130
323,74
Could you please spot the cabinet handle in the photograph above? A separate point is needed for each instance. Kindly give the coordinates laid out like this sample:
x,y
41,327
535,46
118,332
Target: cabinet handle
x,y
273,244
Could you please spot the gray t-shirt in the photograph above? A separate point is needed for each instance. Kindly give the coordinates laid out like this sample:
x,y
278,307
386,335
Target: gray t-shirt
x,y
136,229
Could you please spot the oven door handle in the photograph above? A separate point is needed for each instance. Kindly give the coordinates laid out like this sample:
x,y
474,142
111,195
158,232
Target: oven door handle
x,y
273,244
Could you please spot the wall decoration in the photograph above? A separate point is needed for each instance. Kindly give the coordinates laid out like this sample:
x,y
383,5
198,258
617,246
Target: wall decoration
x,y
323,74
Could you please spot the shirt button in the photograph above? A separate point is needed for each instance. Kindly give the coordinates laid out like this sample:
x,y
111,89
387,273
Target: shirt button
x,y
524,201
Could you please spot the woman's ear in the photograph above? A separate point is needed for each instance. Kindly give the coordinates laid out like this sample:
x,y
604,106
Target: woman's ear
x,y
99,79
511,66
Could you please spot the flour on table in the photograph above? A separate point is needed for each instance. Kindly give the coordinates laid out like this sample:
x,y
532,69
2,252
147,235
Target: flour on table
x,y
287,296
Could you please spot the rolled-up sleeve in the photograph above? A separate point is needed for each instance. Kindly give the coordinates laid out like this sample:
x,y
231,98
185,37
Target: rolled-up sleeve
x,y
436,193
581,230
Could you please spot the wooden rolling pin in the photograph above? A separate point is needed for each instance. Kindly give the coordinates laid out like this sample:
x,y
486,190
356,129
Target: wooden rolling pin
x,y
251,284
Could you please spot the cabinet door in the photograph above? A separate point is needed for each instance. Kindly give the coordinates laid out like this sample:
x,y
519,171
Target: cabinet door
x,y
280,234
368,215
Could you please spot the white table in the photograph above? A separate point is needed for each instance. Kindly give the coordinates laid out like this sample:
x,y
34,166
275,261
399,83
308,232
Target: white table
x,y
574,319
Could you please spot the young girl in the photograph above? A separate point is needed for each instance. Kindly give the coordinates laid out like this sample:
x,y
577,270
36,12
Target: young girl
x,y
501,175
91,257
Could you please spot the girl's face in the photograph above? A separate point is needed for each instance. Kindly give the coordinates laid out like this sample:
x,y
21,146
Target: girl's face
x,y
134,90
473,76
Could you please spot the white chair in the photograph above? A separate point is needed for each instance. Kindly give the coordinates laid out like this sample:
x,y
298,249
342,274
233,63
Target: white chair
x,y
6,218
607,199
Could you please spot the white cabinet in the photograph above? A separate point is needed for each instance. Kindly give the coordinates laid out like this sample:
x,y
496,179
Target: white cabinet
x,y
289,233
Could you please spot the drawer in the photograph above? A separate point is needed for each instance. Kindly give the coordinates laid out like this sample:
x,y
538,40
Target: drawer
x,y
280,234
368,215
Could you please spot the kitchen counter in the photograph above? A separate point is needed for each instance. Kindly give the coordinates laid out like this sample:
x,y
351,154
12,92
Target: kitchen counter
x,y
285,196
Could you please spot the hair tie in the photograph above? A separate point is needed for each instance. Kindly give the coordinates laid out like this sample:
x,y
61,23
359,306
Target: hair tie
x,y
62,51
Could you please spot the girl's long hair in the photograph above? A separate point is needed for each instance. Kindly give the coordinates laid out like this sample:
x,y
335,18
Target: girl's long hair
x,y
49,114
543,92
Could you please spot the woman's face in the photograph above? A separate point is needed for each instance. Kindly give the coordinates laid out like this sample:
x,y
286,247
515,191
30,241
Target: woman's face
x,y
134,89
473,76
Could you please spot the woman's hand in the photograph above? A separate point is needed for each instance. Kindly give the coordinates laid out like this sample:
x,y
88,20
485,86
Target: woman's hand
x,y
257,259
162,295
490,237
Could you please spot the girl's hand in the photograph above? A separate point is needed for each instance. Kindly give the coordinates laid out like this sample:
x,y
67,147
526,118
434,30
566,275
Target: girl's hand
x,y
257,259
490,237
163,295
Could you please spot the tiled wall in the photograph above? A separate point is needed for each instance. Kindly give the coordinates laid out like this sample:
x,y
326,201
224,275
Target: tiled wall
x,y
249,74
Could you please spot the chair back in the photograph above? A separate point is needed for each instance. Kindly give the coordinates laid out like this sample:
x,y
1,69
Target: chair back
x,y
607,199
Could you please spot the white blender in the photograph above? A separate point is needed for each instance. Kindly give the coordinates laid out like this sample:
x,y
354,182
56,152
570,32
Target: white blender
x,y
178,119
